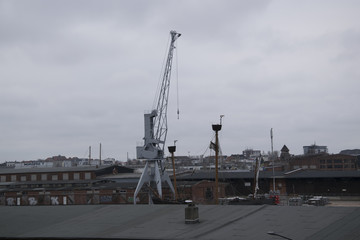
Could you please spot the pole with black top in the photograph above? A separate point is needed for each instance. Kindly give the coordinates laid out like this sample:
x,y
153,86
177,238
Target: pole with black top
x,y
172,149
217,128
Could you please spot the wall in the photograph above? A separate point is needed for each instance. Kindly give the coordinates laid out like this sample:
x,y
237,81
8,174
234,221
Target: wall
x,y
72,197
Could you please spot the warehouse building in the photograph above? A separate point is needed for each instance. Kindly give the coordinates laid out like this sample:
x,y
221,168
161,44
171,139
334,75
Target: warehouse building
x,y
116,185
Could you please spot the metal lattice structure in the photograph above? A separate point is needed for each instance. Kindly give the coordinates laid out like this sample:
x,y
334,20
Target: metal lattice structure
x,y
156,131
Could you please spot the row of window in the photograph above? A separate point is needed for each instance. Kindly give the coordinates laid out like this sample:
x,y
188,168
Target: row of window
x,y
323,166
338,166
305,166
44,177
335,161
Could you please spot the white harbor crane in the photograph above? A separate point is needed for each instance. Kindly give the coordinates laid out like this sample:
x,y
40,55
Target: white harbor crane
x,y
155,134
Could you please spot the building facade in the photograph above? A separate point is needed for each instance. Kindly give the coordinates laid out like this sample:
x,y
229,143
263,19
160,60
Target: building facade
x,y
325,162
314,149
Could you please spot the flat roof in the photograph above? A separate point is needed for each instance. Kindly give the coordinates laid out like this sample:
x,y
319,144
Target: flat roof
x,y
121,176
268,174
168,222
49,169
324,174
57,169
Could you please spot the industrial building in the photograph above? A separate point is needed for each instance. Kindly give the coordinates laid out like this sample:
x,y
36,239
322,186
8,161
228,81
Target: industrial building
x,y
116,185
60,186
88,185
325,162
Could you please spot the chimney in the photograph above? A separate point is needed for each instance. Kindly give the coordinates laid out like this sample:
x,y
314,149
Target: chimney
x,y
191,213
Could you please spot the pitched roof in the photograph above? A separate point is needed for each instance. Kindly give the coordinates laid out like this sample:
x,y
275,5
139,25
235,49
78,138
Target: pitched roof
x,y
285,149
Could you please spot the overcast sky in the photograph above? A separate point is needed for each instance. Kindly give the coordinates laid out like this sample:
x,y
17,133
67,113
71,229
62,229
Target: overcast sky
x,y
75,74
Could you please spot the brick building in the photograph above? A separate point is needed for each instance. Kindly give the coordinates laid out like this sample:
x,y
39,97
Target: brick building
x,y
89,185
325,162
116,184
55,186
299,181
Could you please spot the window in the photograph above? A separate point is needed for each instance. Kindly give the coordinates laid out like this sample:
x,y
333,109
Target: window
x,y
313,166
322,161
65,176
329,161
54,177
76,176
23,178
13,178
337,161
208,193
3,179
329,166
43,177
33,177
87,175
338,166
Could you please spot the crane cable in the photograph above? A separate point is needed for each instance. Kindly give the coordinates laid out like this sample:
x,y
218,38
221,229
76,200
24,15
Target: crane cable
x,y
157,93
177,79
177,83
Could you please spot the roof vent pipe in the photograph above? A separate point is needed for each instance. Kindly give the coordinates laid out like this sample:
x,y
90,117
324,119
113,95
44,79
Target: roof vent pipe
x,y
191,213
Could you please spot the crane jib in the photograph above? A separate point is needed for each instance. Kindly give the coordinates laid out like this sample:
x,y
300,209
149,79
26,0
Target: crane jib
x,y
156,123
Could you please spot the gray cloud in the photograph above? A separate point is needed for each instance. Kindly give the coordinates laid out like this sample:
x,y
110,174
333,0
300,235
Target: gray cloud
x,y
77,73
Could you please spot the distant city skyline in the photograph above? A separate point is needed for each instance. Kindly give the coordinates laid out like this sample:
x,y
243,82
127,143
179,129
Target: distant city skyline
x,y
321,149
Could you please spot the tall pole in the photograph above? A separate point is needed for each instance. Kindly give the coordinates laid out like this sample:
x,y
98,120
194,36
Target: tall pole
x,y
272,155
217,128
216,168
100,155
256,178
174,176
89,154
172,149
